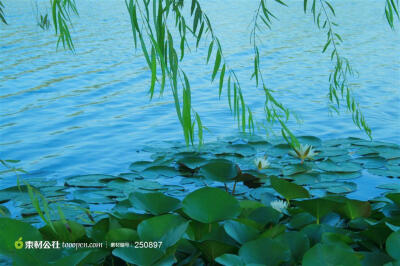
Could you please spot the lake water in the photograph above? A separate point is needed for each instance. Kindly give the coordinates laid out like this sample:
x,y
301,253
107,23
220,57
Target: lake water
x,y
63,114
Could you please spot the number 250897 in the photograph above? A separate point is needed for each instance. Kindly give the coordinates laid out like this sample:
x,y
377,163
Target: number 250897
x,y
145,244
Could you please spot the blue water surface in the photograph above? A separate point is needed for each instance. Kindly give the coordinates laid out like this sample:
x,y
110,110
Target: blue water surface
x,y
64,114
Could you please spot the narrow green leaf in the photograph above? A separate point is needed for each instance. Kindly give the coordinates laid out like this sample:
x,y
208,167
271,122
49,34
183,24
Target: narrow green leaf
x,y
216,64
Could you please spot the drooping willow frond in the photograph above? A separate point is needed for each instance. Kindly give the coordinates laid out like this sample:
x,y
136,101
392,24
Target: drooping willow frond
x,y
154,32
392,10
61,12
339,89
2,13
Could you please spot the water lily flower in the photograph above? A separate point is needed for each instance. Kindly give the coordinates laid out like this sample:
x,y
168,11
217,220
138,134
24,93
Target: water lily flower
x,y
279,205
261,163
303,152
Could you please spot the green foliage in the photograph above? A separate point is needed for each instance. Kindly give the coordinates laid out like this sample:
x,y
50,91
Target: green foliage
x,y
152,30
187,216
2,13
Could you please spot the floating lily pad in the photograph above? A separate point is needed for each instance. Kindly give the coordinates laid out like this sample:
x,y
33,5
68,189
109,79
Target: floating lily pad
x,y
167,228
156,171
209,205
336,187
371,162
220,170
330,255
288,190
310,140
393,244
306,179
240,232
156,203
384,172
346,167
89,181
192,162
333,176
265,251
139,166
295,169
391,186
278,150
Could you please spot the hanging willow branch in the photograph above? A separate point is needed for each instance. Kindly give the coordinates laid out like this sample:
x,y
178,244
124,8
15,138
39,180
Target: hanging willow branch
x,y
2,13
151,22
339,89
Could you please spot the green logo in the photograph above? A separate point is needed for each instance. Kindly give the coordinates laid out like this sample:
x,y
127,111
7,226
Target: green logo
x,y
19,243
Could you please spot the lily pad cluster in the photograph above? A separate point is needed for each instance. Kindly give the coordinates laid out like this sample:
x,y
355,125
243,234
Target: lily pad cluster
x,y
211,226
221,203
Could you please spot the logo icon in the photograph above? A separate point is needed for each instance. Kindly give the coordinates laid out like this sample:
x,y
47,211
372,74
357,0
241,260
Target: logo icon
x,y
19,243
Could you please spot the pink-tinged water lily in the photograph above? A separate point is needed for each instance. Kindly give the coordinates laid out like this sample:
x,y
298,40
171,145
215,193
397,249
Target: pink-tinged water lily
x,y
303,152
261,163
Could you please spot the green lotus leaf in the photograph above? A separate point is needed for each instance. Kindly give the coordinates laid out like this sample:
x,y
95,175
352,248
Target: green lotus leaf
x,y
393,244
122,235
300,220
240,232
310,140
384,172
156,171
192,162
330,255
294,169
139,166
230,260
306,179
242,149
155,203
265,251
220,170
318,207
288,189
70,231
391,186
265,215
395,197
353,209
139,256
371,162
374,258
89,181
167,228
333,176
346,167
13,231
297,242
208,205
278,150
388,152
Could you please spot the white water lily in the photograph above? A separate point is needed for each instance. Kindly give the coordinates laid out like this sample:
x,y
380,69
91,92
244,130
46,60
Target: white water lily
x,y
304,152
279,205
261,163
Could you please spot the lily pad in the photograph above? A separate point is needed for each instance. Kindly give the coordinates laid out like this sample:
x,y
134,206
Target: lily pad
x,y
167,228
208,205
330,255
89,181
393,244
155,203
265,251
240,232
295,169
288,190
220,170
